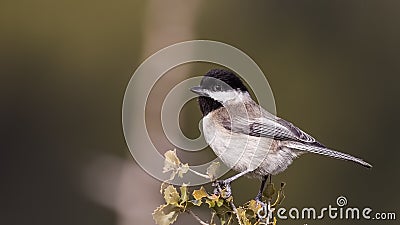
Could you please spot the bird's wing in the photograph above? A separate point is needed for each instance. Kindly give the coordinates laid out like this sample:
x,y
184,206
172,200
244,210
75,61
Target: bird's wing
x,y
298,133
275,128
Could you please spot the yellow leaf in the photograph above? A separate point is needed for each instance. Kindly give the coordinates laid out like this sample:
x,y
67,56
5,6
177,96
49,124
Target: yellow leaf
x,y
213,197
211,203
254,206
199,194
213,200
171,196
242,216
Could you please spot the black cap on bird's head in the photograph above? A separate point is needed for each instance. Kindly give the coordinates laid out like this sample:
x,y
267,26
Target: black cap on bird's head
x,y
231,80
219,80
214,82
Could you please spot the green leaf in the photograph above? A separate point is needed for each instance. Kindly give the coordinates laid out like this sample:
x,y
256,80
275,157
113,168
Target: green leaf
x,y
213,200
199,194
212,170
171,196
210,203
220,202
166,214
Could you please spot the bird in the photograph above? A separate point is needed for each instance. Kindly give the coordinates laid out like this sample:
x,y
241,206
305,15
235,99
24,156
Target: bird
x,y
247,138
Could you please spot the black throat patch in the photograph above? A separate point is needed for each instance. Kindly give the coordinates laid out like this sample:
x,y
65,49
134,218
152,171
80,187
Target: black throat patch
x,y
208,105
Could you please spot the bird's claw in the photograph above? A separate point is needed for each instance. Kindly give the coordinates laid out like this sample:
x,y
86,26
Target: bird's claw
x,y
258,198
263,205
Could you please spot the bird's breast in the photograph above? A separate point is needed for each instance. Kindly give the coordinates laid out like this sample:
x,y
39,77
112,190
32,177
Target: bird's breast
x,y
242,152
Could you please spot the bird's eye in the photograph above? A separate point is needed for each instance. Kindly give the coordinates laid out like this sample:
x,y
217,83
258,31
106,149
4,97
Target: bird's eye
x,y
217,87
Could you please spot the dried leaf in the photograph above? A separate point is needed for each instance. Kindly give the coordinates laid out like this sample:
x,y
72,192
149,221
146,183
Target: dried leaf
x,y
225,193
213,197
269,191
163,186
242,216
214,200
171,196
212,170
184,193
166,214
210,203
171,161
281,196
199,194
254,206
183,169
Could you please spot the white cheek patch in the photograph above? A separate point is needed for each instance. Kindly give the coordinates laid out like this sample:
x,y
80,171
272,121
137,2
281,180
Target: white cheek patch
x,y
223,96
230,97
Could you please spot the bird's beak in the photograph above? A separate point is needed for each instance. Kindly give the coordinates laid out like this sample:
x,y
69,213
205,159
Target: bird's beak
x,y
199,90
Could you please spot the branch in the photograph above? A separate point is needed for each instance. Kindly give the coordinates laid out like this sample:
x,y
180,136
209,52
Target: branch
x,y
199,174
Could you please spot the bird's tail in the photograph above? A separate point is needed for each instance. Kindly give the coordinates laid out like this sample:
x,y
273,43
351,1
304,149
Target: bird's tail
x,y
327,152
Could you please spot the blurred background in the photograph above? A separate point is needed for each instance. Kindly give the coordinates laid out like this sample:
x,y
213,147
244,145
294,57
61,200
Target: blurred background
x,y
334,68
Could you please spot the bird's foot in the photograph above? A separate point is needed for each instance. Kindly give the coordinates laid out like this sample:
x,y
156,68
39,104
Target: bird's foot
x,y
258,198
259,201
223,188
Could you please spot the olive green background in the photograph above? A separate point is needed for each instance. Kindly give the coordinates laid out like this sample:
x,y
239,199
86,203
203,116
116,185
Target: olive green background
x,y
334,68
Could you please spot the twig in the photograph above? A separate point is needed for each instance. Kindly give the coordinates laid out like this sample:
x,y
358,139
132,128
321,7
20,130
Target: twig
x,y
199,174
197,218
236,212
212,217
